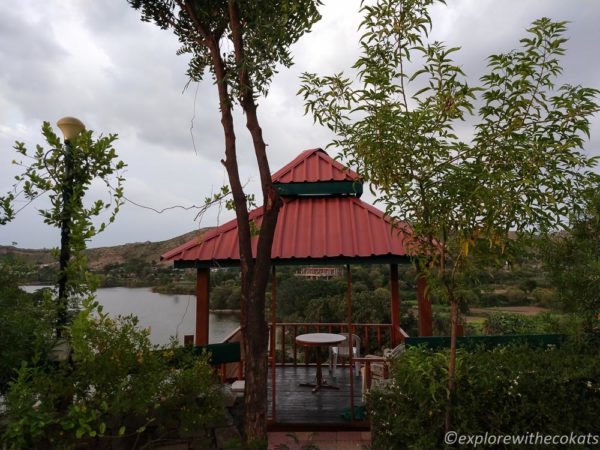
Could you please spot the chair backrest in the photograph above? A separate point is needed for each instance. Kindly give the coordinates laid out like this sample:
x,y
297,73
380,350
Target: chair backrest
x,y
355,343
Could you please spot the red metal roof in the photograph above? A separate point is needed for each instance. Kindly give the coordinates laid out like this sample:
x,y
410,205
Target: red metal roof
x,y
311,166
308,227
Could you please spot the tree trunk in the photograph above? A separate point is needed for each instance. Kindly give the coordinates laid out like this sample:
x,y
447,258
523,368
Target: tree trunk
x,y
254,270
256,335
255,349
452,362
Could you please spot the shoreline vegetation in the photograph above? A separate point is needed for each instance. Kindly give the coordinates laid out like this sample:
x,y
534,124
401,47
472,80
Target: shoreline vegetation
x,y
523,285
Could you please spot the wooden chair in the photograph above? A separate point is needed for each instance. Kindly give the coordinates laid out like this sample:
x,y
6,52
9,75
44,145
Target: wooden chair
x,y
375,370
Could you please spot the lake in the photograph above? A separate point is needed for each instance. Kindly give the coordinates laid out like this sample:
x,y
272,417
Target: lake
x,y
166,315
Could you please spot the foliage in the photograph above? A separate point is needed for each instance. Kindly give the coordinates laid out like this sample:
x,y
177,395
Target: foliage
x,y
443,187
270,28
545,297
26,321
294,293
506,323
240,44
573,263
90,160
225,295
522,168
508,390
455,193
118,385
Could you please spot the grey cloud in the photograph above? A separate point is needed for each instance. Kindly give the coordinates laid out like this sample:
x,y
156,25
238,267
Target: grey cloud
x,y
132,85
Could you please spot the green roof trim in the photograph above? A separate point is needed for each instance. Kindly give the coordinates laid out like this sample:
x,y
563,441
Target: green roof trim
x,y
354,188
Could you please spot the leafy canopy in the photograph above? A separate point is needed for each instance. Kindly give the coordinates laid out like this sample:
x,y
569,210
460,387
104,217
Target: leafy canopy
x,y
572,259
268,28
522,168
44,171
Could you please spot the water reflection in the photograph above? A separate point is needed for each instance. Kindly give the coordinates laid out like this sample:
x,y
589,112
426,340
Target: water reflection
x,y
166,315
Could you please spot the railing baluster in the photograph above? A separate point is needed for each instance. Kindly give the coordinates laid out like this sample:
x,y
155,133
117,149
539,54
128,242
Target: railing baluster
x,y
282,345
295,346
382,333
305,350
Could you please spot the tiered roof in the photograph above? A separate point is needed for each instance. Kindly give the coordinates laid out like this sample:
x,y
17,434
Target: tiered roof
x,y
321,228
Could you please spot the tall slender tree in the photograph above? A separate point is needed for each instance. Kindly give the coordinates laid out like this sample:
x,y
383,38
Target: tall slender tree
x,y
241,43
523,168
65,172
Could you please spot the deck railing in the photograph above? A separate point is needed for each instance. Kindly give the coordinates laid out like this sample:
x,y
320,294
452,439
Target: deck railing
x,y
374,337
284,351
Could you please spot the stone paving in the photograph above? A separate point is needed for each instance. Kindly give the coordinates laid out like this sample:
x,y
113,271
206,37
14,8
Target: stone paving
x,y
323,440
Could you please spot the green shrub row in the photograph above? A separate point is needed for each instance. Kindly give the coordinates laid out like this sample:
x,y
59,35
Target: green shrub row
x,y
507,390
506,323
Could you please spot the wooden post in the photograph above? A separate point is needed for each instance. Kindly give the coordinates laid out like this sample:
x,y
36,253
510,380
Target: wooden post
x,y
202,286
273,339
425,315
395,305
350,359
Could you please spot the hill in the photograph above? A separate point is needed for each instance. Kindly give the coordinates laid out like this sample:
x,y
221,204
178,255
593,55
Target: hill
x,y
101,259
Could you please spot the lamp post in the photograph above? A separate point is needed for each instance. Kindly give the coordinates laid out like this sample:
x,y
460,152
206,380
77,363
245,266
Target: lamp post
x,y
70,127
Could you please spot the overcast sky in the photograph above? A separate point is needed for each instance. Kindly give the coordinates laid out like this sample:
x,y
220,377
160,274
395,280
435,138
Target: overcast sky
x,y
94,59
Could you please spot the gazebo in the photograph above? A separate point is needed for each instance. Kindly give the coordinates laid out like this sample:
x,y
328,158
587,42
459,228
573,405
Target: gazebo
x,y
322,222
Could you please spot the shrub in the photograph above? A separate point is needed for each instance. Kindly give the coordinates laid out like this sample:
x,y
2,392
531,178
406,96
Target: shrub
x,y
26,324
492,299
507,390
507,323
441,324
515,296
545,297
117,385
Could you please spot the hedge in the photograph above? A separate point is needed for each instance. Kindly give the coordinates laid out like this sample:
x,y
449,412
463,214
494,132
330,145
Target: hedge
x,y
506,390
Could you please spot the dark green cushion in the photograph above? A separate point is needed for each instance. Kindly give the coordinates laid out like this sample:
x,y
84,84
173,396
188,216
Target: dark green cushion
x,y
229,352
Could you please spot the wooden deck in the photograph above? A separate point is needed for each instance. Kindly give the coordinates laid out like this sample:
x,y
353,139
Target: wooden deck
x,y
298,405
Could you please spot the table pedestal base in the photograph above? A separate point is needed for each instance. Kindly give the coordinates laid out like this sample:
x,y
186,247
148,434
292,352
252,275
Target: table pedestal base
x,y
321,385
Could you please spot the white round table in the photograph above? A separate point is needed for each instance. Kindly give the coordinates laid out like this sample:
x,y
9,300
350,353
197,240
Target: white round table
x,y
318,340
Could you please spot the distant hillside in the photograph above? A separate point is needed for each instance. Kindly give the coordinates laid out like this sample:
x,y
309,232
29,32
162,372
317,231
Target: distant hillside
x,y
99,258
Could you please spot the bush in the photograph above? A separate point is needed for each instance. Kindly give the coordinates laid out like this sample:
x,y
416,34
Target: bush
x,y
441,324
507,323
507,390
515,296
545,297
117,385
492,299
26,324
